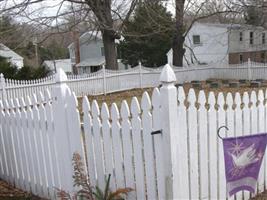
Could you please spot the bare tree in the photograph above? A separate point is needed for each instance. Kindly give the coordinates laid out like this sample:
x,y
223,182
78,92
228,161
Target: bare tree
x,y
190,11
108,16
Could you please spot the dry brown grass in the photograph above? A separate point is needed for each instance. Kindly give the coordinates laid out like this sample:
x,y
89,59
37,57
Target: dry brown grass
x,y
118,97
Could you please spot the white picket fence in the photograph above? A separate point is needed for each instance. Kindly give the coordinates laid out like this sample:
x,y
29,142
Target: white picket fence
x,y
108,81
39,135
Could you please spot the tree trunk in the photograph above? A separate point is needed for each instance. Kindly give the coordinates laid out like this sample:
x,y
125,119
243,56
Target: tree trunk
x,y
178,39
110,49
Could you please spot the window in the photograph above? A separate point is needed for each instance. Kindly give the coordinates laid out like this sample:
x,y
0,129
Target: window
x,y
263,57
241,36
196,39
251,38
102,51
240,58
263,38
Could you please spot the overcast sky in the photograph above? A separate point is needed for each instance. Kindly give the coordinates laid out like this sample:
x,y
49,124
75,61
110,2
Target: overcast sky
x,y
50,7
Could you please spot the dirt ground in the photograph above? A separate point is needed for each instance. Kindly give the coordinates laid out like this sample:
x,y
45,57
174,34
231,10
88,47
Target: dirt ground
x,y
262,196
8,192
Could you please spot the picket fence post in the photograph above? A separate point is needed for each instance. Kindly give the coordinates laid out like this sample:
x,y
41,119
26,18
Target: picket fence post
x,y
59,94
140,74
3,86
168,94
104,80
249,69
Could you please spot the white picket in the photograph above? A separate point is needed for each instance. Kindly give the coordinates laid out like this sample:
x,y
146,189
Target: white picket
x,y
254,116
203,145
45,149
193,145
238,126
52,148
261,130
137,149
74,130
4,148
9,135
38,142
159,156
127,148
19,145
230,115
148,147
33,129
14,142
98,146
212,121
221,122
117,146
246,125
107,143
27,158
4,168
87,120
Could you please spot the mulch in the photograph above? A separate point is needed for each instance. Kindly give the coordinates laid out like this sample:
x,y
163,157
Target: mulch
x,y
8,192
262,196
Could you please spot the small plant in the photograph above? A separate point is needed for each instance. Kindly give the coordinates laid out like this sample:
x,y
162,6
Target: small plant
x,y
109,195
87,192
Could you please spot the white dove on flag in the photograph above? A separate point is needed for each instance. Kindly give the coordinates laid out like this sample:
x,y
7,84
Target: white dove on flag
x,y
245,157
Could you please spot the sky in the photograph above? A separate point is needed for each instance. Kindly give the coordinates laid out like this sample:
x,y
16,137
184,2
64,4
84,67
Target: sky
x,y
52,6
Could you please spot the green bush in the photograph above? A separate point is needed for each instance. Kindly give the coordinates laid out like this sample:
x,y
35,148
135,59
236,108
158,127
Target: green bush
x,y
25,73
7,68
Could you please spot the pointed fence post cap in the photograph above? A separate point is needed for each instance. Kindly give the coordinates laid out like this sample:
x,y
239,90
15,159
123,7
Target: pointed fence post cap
x,y
167,75
60,76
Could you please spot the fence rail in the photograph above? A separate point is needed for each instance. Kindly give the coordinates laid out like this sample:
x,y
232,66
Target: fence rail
x,y
108,81
39,135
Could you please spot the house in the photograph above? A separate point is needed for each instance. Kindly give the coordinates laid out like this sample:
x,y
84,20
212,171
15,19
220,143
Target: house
x,y
91,53
247,42
11,56
208,43
54,65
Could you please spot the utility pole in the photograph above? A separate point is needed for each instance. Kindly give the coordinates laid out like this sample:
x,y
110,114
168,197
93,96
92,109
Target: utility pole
x,y
35,43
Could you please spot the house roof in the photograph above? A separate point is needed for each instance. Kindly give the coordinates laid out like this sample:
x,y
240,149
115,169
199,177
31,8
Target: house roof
x,y
92,62
87,36
8,53
92,35
65,64
230,25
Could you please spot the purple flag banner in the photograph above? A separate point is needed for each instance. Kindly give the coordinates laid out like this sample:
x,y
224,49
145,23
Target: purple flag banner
x,y
243,157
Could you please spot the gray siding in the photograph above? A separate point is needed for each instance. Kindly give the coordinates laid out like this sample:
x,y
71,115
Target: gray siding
x,y
91,49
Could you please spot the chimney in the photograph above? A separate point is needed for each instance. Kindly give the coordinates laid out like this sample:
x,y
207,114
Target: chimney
x,y
76,42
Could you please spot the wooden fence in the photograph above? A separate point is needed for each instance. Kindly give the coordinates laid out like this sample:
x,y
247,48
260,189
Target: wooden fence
x,y
39,135
108,81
